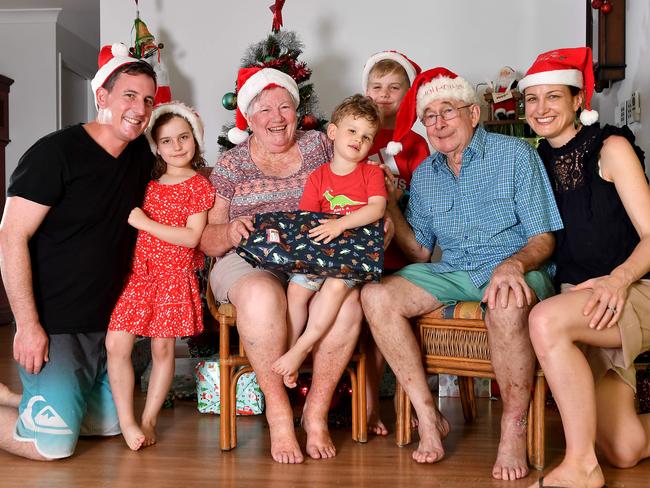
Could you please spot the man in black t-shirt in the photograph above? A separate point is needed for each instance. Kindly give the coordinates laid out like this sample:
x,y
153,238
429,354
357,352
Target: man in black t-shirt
x,y
65,250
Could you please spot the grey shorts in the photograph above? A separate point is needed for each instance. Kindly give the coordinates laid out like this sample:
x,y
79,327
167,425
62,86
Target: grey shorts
x,y
314,283
229,269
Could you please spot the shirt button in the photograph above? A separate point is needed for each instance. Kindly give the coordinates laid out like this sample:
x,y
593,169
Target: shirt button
x,y
465,237
468,263
466,251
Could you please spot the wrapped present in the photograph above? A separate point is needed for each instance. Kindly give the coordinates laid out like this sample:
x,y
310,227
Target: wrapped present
x,y
281,242
448,386
250,399
183,384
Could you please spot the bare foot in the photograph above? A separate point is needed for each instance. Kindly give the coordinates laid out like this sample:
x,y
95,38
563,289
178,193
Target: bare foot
x,y
149,431
8,398
289,362
133,436
284,446
375,425
430,448
290,380
569,475
319,443
511,463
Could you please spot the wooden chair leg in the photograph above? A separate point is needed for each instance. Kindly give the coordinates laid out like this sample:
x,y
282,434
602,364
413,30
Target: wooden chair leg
x,y
403,417
362,430
539,401
227,442
354,386
467,398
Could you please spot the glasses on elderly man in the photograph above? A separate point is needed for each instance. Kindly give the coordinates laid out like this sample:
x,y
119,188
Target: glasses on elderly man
x,y
447,113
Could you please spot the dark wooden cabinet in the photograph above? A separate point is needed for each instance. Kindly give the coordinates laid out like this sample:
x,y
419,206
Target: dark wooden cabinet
x,y
606,37
5,83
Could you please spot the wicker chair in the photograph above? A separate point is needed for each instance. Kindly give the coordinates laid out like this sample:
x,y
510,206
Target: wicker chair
x,y
234,364
454,341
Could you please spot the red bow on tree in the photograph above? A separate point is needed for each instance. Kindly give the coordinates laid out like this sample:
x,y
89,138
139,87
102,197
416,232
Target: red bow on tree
x,y
276,9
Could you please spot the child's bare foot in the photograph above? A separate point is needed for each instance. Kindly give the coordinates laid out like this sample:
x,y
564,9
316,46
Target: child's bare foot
x,y
290,380
149,431
319,443
289,362
133,436
375,425
8,398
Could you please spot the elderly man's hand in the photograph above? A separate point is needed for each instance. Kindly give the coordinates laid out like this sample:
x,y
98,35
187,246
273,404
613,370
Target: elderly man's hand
x,y
239,228
508,276
389,231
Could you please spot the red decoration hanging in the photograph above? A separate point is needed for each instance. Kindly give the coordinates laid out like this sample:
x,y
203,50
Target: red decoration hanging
x,y
276,9
606,8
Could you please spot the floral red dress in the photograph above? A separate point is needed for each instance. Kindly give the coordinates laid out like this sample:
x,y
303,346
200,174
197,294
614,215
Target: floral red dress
x,y
161,297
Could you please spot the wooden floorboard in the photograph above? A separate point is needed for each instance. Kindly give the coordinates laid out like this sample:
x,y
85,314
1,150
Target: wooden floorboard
x,y
187,455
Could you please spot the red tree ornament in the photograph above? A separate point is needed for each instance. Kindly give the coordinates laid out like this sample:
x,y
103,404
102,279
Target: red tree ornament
x,y
606,8
596,4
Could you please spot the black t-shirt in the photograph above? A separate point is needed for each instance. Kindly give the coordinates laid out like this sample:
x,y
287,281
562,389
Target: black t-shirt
x,y
80,254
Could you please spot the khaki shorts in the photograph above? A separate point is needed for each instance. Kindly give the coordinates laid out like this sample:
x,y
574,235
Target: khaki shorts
x,y
634,325
229,269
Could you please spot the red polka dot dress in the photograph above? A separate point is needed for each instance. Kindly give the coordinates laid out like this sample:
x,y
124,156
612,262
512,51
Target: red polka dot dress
x,y
161,297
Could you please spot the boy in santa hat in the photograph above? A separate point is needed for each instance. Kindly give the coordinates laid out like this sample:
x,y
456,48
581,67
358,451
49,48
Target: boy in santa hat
x,y
387,76
66,246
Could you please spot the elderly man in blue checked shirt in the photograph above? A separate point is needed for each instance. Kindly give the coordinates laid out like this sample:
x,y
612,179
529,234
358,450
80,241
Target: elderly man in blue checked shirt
x,y
486,200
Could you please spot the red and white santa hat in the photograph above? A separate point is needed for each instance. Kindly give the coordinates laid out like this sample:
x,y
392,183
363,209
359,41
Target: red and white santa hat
x,y
185,111
433,84
250,83
568,66
411,68
110,58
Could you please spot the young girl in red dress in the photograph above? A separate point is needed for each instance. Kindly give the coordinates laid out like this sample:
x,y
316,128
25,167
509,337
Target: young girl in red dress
x,y
161,299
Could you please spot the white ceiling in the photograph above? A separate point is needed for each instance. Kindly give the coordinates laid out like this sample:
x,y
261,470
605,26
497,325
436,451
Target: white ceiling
x,y
81,17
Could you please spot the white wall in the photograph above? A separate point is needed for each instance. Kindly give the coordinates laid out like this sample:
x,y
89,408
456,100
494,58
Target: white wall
x,y
637,74
204,43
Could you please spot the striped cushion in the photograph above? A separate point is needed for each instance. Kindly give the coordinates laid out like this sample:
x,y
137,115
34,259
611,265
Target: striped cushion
x,y
461,310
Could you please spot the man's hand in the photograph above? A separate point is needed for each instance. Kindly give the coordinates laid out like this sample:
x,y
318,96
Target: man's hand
x,y
328,230
508,276
239,228
389,231
31,347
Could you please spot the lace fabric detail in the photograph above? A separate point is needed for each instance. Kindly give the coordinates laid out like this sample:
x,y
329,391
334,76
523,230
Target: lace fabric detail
x,y
568,168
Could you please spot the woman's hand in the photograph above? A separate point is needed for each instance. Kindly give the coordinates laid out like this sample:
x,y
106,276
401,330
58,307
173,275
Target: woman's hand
x,y
608,297
238,229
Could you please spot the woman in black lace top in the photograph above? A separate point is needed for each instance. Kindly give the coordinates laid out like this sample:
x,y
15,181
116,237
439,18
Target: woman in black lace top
x,y
587,337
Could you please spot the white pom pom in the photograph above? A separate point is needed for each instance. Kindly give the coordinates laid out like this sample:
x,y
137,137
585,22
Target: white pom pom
x,y
394,148
588,117
237,136
120,50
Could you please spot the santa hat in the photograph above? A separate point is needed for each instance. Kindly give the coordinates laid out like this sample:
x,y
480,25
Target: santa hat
x,y
177,108
569,66
433,84
411,68
110,58
250,83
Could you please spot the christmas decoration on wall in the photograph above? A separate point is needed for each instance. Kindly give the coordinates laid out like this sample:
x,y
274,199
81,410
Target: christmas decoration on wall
x,y
504,103
605,6
146,48
280,50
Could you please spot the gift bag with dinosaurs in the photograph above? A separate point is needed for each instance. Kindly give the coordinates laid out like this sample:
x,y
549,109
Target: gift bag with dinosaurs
x,y
281,242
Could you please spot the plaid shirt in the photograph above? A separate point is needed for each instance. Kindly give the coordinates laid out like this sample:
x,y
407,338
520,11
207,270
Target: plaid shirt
x,y
501,199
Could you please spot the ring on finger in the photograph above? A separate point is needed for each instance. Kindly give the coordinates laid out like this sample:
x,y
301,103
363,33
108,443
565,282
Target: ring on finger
x,y
612,309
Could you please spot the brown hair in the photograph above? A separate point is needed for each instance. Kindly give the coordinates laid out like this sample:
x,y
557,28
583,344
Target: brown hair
x,y
386,67
160,166
135,68
357,106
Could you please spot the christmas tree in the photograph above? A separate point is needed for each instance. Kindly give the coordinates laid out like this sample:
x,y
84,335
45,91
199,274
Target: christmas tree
x,y
280,50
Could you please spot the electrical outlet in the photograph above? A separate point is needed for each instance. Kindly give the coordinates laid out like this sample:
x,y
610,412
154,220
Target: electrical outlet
x,y
628,110
636,107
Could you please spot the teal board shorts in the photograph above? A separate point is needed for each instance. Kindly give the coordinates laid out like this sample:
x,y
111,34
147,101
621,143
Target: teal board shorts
x,y
456,286
71,396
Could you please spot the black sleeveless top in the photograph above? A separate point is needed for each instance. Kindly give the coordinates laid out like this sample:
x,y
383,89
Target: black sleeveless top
x,y
598,234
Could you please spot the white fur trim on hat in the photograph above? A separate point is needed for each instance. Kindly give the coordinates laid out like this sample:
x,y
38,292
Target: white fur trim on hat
x,y
259,81
571,77
120,57
178,108
237,136
393,148
444,88
393,56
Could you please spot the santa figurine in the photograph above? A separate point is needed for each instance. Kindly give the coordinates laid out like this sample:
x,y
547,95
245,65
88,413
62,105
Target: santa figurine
x,y
505,105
